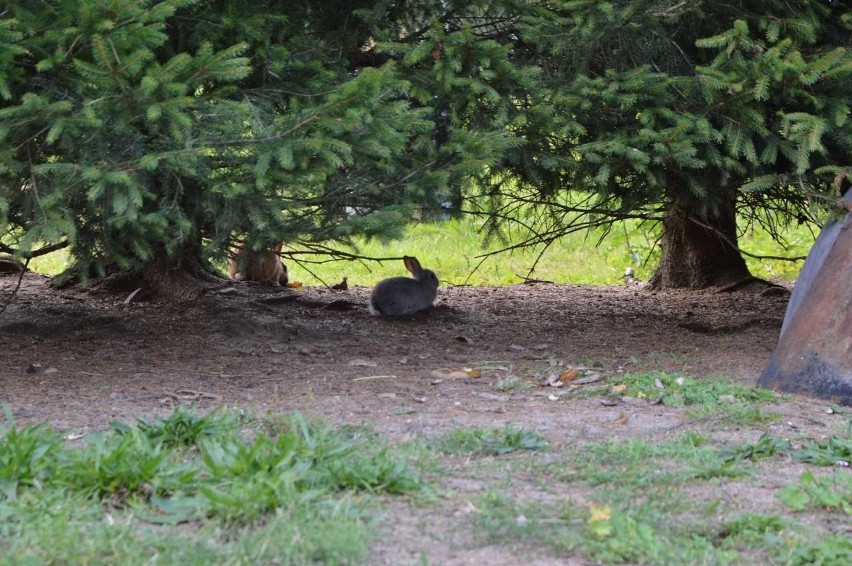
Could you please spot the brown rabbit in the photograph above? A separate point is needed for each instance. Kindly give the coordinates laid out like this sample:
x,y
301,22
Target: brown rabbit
x,y
264,266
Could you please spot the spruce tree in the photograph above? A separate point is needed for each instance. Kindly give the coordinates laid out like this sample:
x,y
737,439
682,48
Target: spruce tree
x,y
150,135
683,112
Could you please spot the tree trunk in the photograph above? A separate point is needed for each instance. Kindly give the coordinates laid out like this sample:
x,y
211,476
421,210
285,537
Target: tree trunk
x,y
181,278
699,251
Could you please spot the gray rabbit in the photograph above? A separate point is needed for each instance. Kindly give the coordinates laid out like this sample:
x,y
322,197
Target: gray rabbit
x,y
401,296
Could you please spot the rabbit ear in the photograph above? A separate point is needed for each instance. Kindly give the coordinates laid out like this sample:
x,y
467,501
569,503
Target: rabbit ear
x,y
277,248
412,265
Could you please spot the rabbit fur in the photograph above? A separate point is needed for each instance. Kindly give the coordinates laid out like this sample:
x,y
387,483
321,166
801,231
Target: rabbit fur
x,y
402,296
264,266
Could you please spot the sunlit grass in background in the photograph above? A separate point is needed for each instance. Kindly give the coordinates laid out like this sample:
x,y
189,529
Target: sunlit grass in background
x,y
453,249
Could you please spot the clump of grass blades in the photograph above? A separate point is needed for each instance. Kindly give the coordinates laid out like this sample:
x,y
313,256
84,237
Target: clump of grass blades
x,y
123,466
303,463
729,402
836,450
835,549
765,447
679,391
197,466
832,492
28,457
183,427
491,442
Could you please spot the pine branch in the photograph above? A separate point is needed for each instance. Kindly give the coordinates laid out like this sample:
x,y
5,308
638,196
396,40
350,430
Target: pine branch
x,y
37,253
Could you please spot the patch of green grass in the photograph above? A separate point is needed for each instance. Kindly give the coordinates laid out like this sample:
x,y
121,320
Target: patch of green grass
x,y
619,532
490,442
637,464
832,492
752,529
299,495
302,462
740,414
640,535
797,242
734,403
765,447
637,509
575,258
503,520
122,466
63,529
183,427
837,449
833,550
679,391
659,530
27,457
632,462
52,263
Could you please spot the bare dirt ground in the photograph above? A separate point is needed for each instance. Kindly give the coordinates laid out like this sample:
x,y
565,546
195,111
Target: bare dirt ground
x,y
320,352
80,360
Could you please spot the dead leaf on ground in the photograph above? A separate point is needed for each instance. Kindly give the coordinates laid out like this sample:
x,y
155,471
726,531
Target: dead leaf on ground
x,y
600,513
622,419
465,339
618,389
294,285
609,402
569,374
445,373
571,377
363,363
473,372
